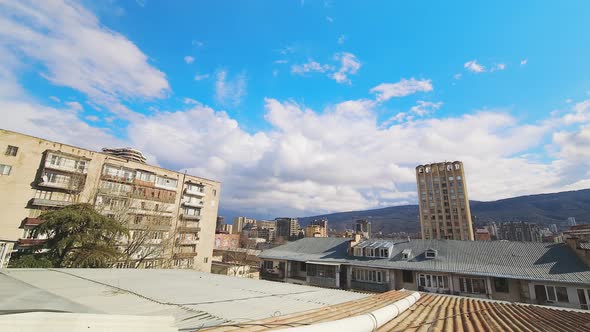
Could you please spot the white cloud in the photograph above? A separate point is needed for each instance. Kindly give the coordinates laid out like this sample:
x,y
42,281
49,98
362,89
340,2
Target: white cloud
x,y
457,76
474,67
281,61
74,105
329,19
140,3
310,67
190,101
498,66
76,51
189,59
92,118
198,43
55,99
341,39
524,62
425,107
229,92
349,65
568,100
404,87
200,77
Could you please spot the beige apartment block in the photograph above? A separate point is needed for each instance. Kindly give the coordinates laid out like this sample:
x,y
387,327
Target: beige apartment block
x,y
443,201
175,212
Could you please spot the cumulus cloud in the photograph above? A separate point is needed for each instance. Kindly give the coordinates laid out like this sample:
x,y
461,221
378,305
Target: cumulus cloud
x,y
230,91
474,67
524,62
404,87
349,65
76,51
200,77
498,66
74,105
189,59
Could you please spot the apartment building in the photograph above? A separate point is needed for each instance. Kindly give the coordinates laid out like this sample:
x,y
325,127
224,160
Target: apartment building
x,y
288,228
519,231
527,272
240,222
176,212
443,201
317,228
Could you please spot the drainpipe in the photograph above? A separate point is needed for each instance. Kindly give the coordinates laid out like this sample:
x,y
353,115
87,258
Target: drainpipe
x,y
368,322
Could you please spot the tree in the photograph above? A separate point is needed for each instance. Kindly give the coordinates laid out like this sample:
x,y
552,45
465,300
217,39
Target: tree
x,y
79,236
30,261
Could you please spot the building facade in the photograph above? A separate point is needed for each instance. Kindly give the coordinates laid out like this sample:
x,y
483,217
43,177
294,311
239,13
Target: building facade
x,y
240,222
363,227
443,202
288,228
174,212
519,231
527,272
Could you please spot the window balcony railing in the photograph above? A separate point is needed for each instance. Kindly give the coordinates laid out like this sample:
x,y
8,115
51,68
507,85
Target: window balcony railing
x,y
196,204
185,255
50,202
190,216
188,229
67,168
59,185
187,242
195,191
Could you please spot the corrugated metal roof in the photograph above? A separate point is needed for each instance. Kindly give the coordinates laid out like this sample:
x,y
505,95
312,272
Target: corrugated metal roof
x,y
436,313
194,299
523,260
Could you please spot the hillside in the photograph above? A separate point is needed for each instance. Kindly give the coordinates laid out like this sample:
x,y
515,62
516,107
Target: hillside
x,y
543,209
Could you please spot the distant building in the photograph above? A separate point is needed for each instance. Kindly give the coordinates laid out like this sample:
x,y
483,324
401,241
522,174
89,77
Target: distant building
x,y
581,232
443,202
493,228
363,227
227,228
126,153
240,222
553,228
226,241
317,228
220,224
288,228
482,234
571,221
519,231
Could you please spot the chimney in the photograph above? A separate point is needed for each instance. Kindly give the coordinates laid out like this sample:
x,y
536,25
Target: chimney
x,y
355,240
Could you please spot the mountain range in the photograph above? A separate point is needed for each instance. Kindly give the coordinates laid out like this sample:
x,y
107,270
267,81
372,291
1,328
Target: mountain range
x,y
543,209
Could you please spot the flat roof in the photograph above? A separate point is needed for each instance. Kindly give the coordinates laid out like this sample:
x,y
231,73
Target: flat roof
x,y
194,299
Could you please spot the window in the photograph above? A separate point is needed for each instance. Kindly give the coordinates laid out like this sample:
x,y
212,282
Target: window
x,y
407,276
433,281
5,169
145,176
302,266
206,259
431,253
561,294
368,275
322,271
584,298
358,252
501,285
214,192
166,182
11,150
384,252
268,265
476,286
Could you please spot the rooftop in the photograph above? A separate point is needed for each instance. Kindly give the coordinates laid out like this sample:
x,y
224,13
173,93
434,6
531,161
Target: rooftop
x,y
194,299
523,260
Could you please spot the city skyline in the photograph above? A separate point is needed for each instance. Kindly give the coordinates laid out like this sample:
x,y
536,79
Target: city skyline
x,y
332,115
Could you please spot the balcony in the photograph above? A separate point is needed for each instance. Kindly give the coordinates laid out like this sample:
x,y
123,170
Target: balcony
x,y
30,242
116,178
50,202
66,168
187,242
32,222
188,229
185,255
59,185
195,204
273,274
195,191
190,216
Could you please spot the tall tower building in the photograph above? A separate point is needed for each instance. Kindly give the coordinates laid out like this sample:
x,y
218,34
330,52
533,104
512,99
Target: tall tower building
x,y
443,200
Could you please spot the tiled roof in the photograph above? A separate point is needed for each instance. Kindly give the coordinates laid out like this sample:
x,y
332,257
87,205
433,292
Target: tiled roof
x,y
436,313
523,260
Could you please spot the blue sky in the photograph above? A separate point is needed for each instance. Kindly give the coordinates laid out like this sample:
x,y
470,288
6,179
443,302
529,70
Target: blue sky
x,y
304,107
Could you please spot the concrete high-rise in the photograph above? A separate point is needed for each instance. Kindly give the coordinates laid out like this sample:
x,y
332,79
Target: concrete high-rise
x,y
288,228
173,214
443,201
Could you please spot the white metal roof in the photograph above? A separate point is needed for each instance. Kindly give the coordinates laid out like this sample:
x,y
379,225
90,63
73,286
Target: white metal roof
x,y
194,299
